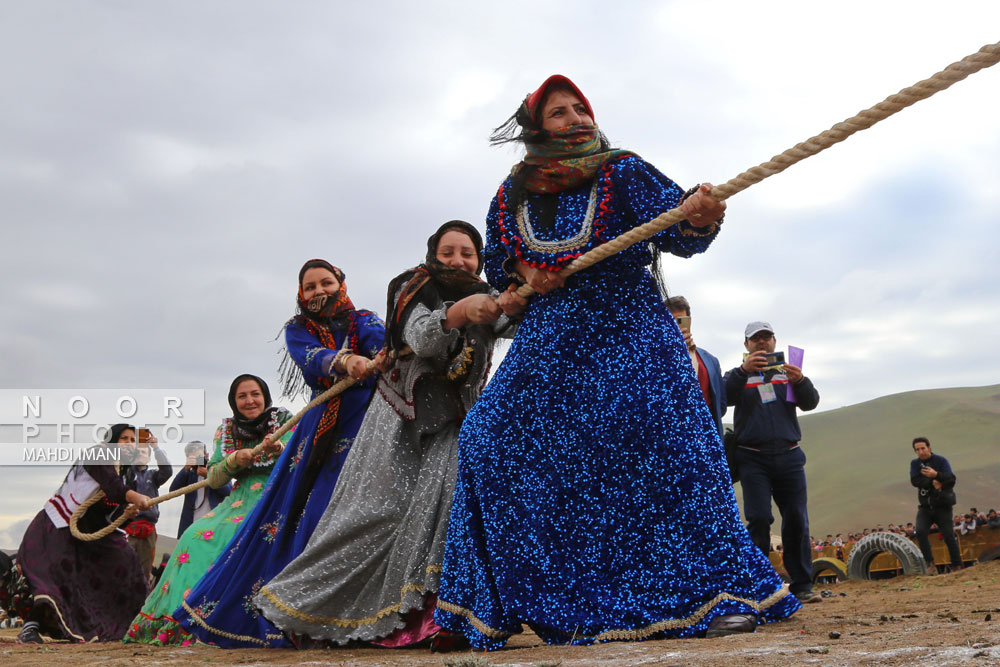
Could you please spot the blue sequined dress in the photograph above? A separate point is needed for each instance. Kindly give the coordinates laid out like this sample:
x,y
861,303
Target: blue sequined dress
x,y
219,609
593,500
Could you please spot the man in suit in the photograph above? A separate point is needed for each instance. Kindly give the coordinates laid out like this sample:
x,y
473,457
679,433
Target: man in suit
x,y
706,366
198,503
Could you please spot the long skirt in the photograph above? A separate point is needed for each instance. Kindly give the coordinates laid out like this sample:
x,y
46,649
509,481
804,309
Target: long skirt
x,y
593,500
219,609
376,555
81,591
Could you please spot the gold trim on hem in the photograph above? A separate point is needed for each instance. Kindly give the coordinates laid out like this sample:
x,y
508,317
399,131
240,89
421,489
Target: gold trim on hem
x,y
198,620
347,622
61,619
476,623
639,633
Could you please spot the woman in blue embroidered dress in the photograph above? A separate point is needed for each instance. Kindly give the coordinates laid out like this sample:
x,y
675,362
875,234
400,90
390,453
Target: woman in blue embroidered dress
x,y
593,500
327,340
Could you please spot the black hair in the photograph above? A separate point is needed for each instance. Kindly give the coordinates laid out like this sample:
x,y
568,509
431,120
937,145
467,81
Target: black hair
x,y
922,439
116,432
454,226
678,303
264,389
321,264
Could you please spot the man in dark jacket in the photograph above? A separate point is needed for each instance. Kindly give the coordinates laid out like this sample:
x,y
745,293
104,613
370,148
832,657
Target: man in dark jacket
x,y
197,503
932,475
768,456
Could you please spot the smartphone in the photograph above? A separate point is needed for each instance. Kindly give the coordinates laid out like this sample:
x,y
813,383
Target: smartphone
x,y
684,322
144,435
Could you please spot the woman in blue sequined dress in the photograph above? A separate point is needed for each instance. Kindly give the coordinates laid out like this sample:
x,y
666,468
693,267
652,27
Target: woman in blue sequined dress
x,y
593,500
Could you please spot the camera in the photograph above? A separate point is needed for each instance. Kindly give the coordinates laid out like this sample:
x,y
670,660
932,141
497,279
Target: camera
x,y
775,360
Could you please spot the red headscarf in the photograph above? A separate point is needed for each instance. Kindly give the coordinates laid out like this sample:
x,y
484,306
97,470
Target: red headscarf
x,y
534,100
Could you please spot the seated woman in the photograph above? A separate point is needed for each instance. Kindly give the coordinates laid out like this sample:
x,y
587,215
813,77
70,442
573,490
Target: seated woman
x,y
254,418
328,339
80,590
593,500
372,567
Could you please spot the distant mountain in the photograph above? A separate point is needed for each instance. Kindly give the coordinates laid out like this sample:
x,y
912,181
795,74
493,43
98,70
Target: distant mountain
x,y
858,457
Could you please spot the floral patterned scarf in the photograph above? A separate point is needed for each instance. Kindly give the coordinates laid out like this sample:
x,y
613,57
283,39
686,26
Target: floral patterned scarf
x,y
569,157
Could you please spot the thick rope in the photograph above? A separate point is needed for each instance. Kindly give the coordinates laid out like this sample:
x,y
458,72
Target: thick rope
x,y
987,56
334,390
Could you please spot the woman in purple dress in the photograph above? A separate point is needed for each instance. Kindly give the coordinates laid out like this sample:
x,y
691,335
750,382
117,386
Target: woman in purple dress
x,y
79,590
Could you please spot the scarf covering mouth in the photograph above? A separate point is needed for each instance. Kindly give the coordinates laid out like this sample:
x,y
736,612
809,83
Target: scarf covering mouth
x,y
323,307
431,282
330,313
568,158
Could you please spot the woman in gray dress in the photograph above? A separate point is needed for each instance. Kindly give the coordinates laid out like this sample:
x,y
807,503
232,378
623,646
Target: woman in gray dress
x,y
371,570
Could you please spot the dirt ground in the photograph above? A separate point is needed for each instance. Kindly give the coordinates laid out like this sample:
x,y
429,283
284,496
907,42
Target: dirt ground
x,y
946,619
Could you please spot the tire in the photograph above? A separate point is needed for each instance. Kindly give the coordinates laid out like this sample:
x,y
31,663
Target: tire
x,y
872,545
829,567
992,554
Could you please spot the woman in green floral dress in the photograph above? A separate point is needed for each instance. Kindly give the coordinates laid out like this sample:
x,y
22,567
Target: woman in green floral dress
x,y
205,539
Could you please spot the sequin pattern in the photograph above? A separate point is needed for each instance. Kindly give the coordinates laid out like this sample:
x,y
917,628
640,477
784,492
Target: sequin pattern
x,y
593,502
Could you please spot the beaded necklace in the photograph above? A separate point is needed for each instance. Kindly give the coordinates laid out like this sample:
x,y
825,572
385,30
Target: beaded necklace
x,y
579,240
230,444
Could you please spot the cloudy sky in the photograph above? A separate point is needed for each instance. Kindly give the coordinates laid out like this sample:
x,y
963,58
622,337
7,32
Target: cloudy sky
x,y
166,169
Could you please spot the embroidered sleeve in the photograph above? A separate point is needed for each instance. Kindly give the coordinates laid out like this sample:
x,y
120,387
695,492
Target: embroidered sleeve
x,y
310,354
371,337
219,453
424,330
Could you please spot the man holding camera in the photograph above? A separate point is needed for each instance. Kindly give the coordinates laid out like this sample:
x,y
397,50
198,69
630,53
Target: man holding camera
x,y
202,501
768,456
935,481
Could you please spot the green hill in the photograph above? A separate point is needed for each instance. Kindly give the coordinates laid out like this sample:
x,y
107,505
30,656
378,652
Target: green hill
x,y
858,457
